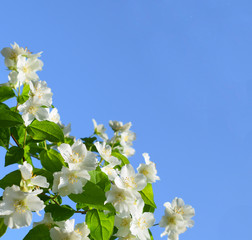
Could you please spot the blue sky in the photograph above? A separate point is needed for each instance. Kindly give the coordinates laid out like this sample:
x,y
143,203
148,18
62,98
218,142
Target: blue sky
x,y
180,71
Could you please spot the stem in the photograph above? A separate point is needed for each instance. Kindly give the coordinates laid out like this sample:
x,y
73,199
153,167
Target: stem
x,y
25,137
155,224
15,140
82,212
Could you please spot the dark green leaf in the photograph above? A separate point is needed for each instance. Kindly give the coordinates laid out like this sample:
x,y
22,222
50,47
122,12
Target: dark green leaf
x,y
14,155
3,227
89,142
40,232
10,179
6,93
45,130
60,213
19,134
123,159
51,160
4,106
9,118
4,137
101,225
147,195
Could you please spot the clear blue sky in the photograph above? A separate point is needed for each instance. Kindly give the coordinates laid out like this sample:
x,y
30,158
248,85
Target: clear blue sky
x,y
180,70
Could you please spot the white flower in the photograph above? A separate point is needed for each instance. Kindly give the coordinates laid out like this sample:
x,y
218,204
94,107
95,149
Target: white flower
x,y
118,126
149,169
176,219
77,156
68,231
47,220
128,151
140,225
29,67
32,109
123,225
105,152
54,116
11,54
41,93
127,137
66,129
121,199
17,206
69,181
28,180
100,130
110,171
129,180
15,81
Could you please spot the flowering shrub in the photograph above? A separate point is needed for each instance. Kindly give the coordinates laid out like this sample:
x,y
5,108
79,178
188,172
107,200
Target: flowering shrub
x,y
116,200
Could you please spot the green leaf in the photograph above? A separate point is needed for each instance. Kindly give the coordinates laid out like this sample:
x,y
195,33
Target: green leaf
x,y
9,118
51,160
60,213
147,195
123,159
100,178
45,130
4,137
18,133
6,93
3,227
10,179
89,142
92,196
25,94
14,155
4,106
101,225
40,232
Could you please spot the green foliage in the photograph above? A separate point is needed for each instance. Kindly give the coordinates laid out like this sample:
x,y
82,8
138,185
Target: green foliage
x,y
89,142
40,232
92,196
101,225
45,130
51,160
25,94
147,195
123,159
10,179
100,178
59,213
6,93
4,137
3,227
19,134
14,155
9,118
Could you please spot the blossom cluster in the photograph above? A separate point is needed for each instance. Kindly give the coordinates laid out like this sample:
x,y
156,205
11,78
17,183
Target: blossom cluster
x,y
86,170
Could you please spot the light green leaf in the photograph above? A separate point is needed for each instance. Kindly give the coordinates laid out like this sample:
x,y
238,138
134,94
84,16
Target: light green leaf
x,y
6,93
123,159
101,225
92,196
100,178
45,130
25,94
4,137
60,213
9,118
147,195
14,155
52,160
40,232
10,179
3,227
